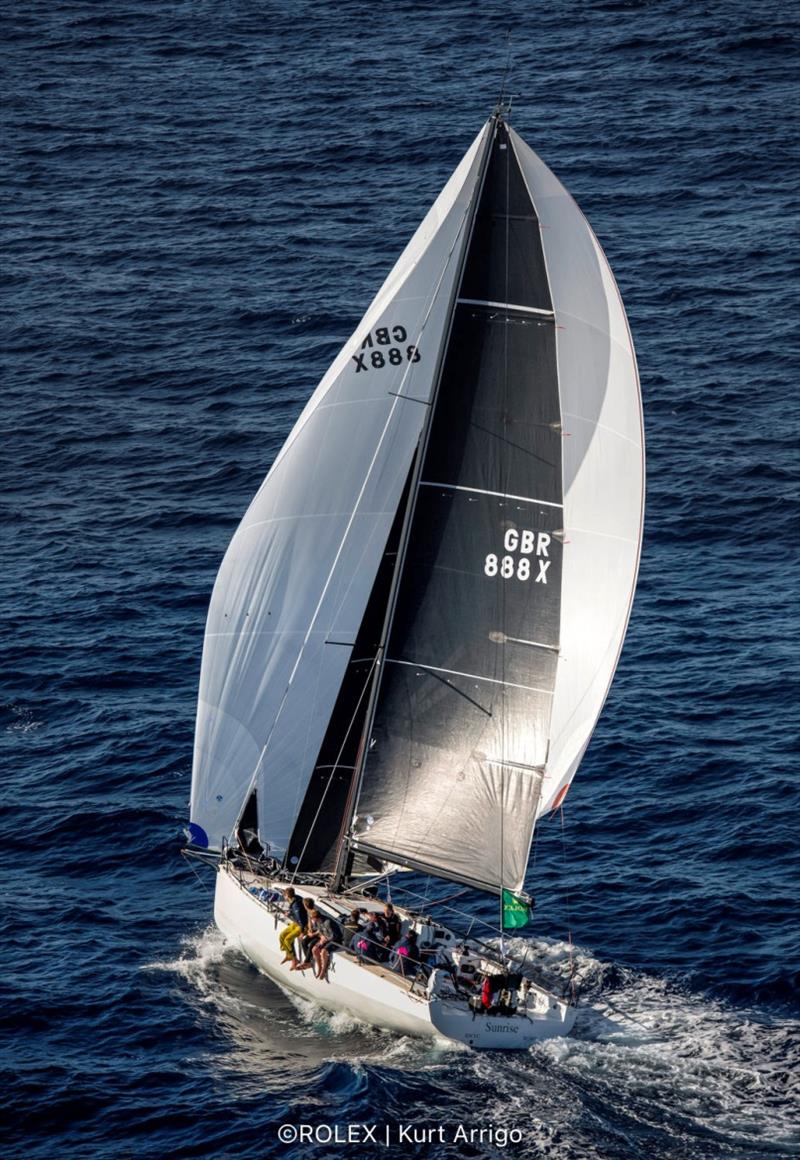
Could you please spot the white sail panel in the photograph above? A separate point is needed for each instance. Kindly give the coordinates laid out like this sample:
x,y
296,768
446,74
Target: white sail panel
x,y
295,580
603,466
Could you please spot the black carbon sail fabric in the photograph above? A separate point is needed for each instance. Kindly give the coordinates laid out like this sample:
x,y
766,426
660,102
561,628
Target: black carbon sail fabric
x,y
453,770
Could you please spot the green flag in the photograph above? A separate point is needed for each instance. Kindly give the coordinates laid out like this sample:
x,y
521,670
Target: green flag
x,y
515,912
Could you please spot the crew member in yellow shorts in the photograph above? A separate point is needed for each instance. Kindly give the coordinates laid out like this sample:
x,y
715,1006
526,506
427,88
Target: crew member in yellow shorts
x,y
297,916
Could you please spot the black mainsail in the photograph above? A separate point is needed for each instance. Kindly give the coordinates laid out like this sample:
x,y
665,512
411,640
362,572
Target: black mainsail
x,y
452,772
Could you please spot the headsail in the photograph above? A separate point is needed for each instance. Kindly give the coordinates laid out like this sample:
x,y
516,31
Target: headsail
x,y
603,464
516,579
293,586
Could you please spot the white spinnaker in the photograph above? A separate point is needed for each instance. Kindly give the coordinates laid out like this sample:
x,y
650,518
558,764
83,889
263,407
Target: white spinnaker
x,y
294,582
603,468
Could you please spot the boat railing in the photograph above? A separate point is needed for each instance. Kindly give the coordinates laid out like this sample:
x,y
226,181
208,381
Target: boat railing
x,y
271,900
423,905
244,865
497,952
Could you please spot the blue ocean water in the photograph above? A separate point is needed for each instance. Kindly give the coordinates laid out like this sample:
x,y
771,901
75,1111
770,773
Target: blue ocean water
x,y
199,202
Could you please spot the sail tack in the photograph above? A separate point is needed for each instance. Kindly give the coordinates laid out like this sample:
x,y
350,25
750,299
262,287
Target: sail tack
x,y
296,579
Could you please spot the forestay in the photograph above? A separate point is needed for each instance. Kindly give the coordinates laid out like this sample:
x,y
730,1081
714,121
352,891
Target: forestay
x,y
294,583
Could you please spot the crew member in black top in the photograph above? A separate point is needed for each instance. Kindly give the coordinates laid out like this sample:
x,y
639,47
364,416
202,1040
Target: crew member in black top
x,y
393,925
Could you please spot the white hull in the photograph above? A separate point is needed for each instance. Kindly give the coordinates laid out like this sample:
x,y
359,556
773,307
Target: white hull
x,y
374,993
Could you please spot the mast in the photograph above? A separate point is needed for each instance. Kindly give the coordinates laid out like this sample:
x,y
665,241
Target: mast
x,y
344,857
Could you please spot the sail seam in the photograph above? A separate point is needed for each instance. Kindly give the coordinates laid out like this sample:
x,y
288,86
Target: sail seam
x,y
308,516
565,315
360,402
593,532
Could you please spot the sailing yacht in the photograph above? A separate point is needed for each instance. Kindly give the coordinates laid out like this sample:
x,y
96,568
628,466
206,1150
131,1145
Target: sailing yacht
x,y
415,626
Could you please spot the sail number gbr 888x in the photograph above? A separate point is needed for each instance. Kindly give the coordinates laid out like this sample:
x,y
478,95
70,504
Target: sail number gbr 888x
x,y
392,356
528,543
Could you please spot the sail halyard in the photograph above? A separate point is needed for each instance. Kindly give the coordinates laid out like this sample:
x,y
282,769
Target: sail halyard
x,y
459,728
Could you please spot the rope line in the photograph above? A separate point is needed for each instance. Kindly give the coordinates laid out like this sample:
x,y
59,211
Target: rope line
x,y
572,985
335,766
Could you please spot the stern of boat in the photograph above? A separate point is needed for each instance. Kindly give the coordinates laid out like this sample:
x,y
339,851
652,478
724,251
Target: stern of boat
x,y
515,1032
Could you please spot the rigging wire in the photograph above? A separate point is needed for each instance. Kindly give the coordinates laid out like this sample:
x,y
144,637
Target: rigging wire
x,y
470,213
506,71
203,882
573,989
335,766
505,486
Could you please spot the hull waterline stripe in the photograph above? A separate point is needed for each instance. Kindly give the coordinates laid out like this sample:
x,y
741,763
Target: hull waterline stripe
x,y
481,491
505,306
470,676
